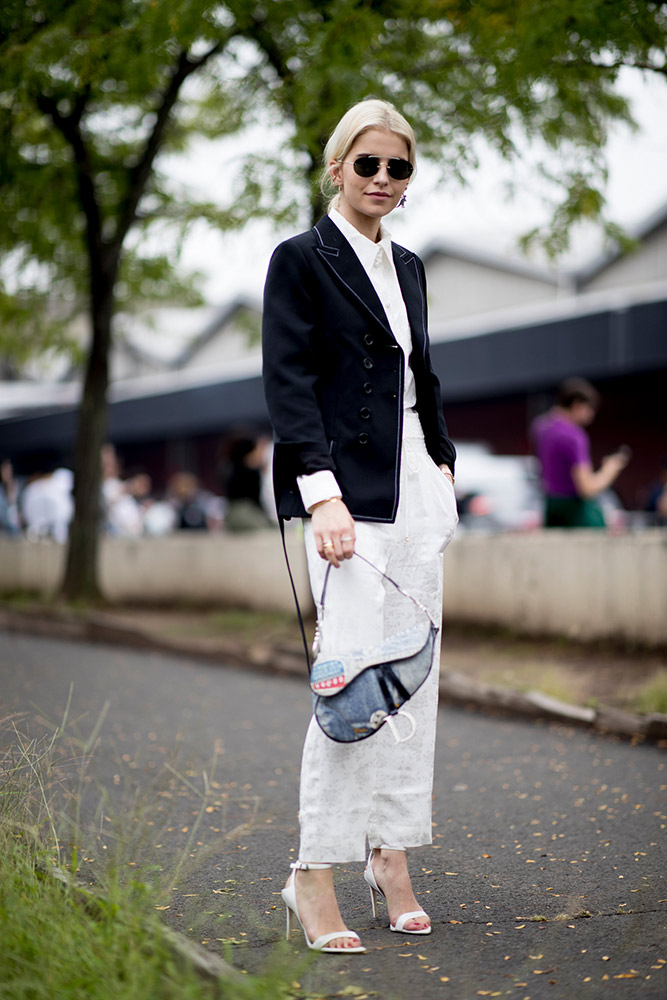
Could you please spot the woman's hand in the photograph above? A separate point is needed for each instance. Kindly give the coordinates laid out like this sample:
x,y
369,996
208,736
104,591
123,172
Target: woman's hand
x,y
333,528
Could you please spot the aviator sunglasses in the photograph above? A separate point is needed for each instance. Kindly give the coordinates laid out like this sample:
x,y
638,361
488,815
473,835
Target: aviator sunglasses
x,y
368,166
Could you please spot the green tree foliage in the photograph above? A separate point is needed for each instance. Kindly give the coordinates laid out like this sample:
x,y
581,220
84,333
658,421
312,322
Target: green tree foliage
x,y
94,92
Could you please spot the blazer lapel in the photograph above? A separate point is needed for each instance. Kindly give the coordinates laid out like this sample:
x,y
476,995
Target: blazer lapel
x,y
413,292
341,259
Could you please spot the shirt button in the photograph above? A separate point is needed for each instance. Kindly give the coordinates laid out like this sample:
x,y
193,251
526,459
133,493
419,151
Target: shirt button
x,y
367,363
367,387
365,413
368,339
363,438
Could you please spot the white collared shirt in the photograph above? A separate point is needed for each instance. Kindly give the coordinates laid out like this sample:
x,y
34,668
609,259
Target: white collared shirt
x,y
378,262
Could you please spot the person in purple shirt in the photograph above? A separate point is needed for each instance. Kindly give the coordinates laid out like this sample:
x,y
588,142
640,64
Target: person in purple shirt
x,y
562,446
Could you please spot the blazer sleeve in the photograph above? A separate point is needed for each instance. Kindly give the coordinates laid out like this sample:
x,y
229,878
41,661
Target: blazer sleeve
x,y
292,362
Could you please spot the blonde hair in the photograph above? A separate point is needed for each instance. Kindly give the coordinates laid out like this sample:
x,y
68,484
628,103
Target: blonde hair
x,y
363,117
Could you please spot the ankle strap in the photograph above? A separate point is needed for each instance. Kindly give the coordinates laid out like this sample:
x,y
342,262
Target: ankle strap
x,y
303,866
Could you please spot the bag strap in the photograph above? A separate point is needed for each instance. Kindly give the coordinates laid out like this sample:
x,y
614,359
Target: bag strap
x,y
358,555
320,608
317,640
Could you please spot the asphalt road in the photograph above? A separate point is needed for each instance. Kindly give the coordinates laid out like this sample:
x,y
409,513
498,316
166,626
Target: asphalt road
x,y
547,876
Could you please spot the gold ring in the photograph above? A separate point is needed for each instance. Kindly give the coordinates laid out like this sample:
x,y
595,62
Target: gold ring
x,y
327,545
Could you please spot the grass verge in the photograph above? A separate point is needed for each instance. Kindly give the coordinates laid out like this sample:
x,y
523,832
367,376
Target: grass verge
x,y
62,941
653,695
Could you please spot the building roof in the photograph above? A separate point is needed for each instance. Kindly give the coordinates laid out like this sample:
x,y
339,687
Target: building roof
x,y
222,317
494,261
597,344
614,251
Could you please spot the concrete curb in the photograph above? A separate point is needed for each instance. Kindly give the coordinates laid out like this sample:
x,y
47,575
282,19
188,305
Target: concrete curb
x,y
455,688
207,964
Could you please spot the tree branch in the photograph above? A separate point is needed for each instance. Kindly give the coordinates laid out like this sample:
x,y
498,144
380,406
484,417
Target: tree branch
x,y
266,42
70,128
618,64
140,173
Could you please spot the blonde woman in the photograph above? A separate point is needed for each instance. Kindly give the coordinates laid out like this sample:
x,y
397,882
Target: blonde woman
x,y
362,454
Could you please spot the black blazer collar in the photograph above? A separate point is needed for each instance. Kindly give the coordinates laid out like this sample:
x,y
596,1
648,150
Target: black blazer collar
x,y
337,253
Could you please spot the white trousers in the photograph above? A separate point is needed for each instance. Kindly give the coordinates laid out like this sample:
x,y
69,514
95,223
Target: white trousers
x,y
380,791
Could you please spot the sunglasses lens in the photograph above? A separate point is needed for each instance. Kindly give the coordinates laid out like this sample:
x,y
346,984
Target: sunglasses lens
x,y
368,166
400,170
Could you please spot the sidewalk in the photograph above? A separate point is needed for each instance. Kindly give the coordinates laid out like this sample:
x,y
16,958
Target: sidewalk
x,y
544,881
577,684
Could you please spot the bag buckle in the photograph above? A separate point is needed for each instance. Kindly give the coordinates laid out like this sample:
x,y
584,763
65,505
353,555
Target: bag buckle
x,y
390,720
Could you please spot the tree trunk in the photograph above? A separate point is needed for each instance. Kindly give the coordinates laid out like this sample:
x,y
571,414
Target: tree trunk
x,y
80,582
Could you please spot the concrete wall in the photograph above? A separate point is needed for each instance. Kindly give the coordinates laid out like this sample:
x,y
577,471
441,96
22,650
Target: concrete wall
x,y
586,585
229,570
583,584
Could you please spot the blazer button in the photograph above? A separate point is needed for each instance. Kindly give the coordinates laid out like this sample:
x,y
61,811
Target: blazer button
x,y
367,363
368,339
363,439
365,413
367,387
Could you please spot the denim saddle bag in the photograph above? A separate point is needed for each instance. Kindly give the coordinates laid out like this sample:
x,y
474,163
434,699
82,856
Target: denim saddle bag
x,y
357,692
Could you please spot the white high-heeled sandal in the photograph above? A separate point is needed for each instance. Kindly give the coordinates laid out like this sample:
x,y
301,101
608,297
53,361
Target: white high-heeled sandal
x,y
321,943
399,927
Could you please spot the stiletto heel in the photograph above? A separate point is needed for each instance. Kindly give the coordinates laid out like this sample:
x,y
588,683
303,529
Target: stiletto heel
x,y
321,943
399,927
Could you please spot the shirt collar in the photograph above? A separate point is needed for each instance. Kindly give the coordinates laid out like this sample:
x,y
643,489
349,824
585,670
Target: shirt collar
x,y
365,249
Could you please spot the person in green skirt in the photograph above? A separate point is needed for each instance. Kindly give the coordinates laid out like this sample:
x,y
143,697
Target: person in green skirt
x,y
571,486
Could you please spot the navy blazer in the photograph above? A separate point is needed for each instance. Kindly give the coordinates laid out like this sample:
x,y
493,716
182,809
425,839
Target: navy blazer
x,y
333,373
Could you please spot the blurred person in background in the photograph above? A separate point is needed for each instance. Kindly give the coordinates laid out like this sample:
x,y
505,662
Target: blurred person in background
x,y
656,503
243,478
9,497
123,514
570,484
46,505
195,509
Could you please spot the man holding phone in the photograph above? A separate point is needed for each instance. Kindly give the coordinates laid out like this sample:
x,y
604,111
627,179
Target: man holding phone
x,y
570,484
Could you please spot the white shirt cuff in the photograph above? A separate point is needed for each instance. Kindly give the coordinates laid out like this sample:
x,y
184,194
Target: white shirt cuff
x,y
318,486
